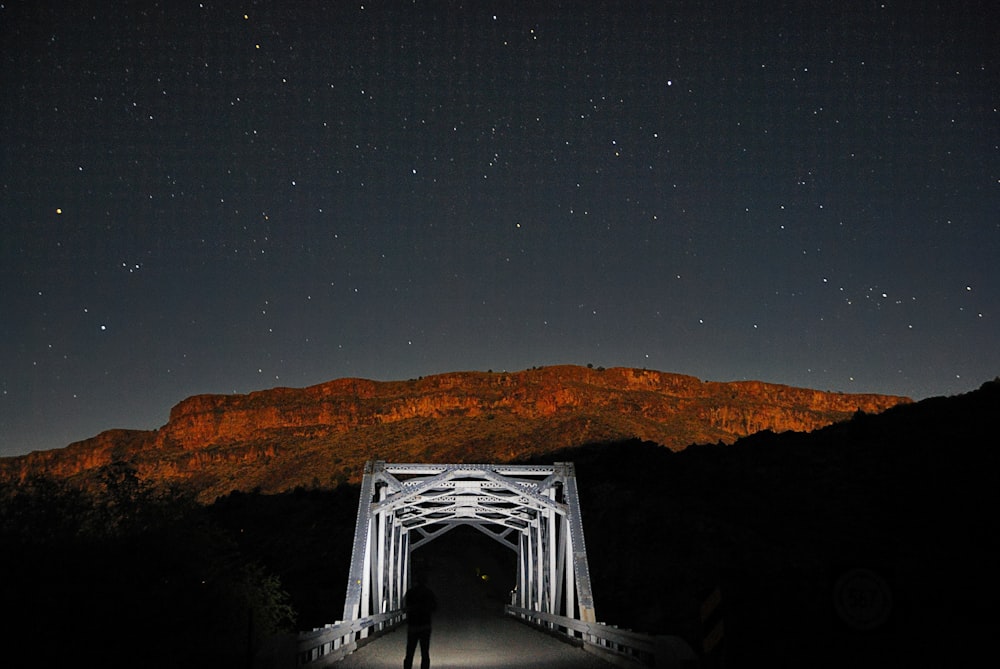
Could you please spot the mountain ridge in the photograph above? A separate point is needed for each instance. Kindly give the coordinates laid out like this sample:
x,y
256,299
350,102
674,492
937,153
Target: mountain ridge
x,y
775,522
280,438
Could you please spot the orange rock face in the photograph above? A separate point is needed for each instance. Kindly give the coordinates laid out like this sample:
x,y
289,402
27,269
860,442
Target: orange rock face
x,y
285,436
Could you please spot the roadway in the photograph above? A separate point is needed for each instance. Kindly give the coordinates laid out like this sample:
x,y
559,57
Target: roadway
x,y
470,629
477,642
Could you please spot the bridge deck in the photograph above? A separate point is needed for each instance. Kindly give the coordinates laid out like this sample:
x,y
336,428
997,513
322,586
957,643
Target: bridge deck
x,y
470,629
478,642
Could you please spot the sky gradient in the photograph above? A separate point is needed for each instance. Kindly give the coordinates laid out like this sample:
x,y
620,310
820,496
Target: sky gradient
x,y
217,197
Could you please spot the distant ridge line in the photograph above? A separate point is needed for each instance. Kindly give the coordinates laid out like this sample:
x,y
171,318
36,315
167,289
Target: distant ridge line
x,y
320,435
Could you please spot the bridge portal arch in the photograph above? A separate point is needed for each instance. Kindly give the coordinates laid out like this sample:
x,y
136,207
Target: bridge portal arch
x,y
533,510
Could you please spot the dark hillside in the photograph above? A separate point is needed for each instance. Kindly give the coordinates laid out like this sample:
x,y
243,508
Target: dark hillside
x,y
774,521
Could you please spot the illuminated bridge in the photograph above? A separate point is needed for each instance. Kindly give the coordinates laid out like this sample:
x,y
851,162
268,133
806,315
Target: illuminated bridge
x,y
542,615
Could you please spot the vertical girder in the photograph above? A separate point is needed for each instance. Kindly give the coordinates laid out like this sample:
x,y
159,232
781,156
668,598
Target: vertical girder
x,y
584,595
356,599
531,509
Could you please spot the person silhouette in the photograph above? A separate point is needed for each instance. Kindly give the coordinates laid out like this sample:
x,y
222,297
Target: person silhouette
x,y
420,604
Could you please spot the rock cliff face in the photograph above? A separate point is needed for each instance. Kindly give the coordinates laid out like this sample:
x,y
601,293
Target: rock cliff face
x,y
283,437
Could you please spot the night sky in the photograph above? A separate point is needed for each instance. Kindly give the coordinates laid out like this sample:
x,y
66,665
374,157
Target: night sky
x,y
218,197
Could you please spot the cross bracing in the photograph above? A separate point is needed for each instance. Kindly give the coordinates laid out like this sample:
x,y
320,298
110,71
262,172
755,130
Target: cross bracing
x,y
532,510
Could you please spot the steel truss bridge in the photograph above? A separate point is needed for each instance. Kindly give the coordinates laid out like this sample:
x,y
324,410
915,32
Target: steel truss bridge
x,y
533,510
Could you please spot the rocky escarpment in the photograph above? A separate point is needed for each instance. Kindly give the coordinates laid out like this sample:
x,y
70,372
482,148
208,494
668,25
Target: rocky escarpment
x,y
725,410
293,436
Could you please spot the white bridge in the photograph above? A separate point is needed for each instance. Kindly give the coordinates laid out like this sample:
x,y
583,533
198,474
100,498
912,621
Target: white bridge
x,y
534,510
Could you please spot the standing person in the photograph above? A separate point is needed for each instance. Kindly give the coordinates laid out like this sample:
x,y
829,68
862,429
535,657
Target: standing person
x,y
420,604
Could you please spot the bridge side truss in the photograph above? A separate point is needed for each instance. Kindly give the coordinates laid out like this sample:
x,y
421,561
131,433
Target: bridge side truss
x,y
532,510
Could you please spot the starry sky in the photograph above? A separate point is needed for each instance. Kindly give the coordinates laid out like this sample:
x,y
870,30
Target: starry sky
x,y
218,197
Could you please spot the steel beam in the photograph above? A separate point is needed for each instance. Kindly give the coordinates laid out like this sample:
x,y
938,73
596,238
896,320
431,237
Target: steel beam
x,y
359,554
533,510
581,568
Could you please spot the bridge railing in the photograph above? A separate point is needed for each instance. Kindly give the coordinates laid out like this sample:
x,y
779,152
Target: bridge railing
x,y
645,649
323,646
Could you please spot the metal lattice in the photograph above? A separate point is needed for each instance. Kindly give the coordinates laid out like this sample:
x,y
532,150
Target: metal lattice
x,y
532,510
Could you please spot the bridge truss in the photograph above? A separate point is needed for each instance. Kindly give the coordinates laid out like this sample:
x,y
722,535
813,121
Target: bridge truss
x,y
532,510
